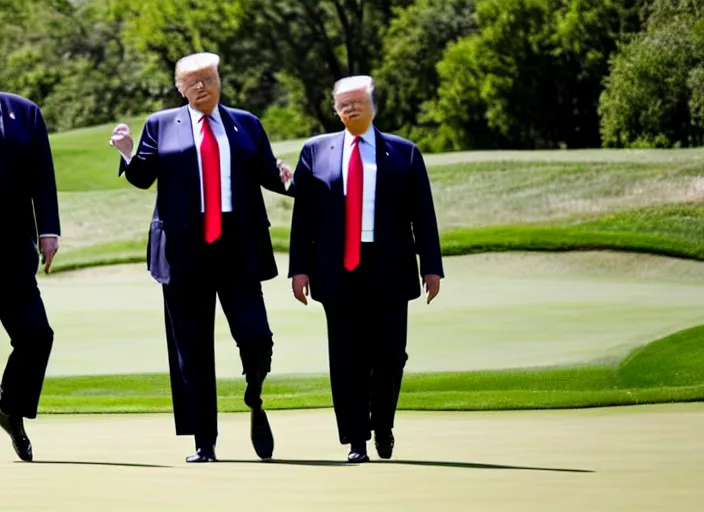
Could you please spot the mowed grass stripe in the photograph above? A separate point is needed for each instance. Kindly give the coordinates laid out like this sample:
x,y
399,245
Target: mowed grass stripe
x,y
668,230
670,369
409,401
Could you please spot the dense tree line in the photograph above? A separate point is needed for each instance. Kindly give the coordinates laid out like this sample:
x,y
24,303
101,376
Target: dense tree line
x,y
451,74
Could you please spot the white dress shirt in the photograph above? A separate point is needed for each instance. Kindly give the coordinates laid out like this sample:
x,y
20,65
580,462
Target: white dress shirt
x,y
367,151
216,124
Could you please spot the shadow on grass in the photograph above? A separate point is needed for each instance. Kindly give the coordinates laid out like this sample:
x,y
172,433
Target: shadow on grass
x,y
476,465
426,463
327,463
90,463
287,462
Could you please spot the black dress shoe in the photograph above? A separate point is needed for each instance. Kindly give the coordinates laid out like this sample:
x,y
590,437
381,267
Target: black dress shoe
x,y
14,426
358,453
262,438
202,456
384,442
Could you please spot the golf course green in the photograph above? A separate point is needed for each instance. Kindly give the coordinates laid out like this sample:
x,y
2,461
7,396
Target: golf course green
x,y
561,266
643,459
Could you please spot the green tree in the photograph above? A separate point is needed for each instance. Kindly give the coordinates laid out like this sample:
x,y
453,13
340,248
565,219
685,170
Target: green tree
x,y
659,13
654,95
413,44
65,56
531,78
314,43
459,111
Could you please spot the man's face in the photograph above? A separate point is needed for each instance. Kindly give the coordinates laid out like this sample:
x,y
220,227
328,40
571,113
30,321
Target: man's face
x,y
202,89
356,110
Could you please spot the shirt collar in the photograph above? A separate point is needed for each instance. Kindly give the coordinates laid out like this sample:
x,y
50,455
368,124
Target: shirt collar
x,y
197,114
369,137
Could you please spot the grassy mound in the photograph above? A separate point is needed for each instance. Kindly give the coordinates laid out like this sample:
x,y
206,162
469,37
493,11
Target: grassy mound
x,y
666,230
670,369
674,361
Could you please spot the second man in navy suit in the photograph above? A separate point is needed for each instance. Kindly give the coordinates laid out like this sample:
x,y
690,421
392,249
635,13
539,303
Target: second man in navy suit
x,y
29,211
209,237
363,211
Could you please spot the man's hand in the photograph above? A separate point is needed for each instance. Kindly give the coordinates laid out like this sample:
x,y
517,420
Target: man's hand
x,y
301,288
432,286
285,173
122,139
48,246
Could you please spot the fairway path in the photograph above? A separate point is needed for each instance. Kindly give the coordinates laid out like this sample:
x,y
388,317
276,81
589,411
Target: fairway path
x,y
621,459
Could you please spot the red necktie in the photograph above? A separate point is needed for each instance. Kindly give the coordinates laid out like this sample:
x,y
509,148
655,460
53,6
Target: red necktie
x,y
353,208
210,159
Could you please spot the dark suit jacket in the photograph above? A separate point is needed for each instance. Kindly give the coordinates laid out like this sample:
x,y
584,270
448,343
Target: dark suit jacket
x,y
28,197
405,223
167,153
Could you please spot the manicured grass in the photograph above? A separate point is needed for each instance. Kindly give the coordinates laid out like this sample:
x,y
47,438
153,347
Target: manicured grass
x,y
633,201
667,230
670,369
84,159
472,191
677,360
675,230
495,311
670,230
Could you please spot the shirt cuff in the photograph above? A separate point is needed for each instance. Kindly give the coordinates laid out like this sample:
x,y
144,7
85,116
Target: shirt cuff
x,y
127,158
46,235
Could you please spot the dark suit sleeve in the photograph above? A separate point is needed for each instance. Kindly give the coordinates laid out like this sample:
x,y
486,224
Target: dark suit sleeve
x,y
301,237
269,177
44,193
425,225
143,170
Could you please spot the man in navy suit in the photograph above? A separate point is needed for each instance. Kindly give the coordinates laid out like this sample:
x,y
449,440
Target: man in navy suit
x,y
363,210
209,237
30,212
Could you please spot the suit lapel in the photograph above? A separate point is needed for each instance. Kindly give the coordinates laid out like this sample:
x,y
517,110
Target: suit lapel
x,y
184,130
332,161
231,129
3,109
383,179
335,164
382,158
7,120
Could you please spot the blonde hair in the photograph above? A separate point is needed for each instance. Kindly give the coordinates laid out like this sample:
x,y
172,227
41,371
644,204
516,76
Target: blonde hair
x,y
354,83
194,62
